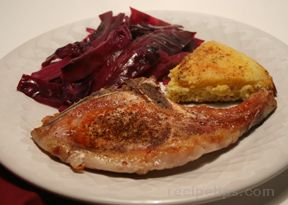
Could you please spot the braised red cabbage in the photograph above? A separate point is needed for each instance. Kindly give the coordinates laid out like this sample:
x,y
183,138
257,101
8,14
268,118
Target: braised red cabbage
x,y
121,47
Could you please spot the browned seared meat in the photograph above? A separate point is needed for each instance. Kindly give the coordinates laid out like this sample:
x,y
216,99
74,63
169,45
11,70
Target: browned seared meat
x,y
136,129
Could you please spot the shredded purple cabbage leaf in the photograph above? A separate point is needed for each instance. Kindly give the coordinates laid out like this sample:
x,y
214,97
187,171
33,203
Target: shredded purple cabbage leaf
x,y
122,47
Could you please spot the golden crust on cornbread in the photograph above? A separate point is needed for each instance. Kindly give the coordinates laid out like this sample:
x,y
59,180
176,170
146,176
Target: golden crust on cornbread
x,y
215,72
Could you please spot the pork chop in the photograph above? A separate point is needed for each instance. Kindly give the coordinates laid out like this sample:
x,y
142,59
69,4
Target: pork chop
x,y
136,129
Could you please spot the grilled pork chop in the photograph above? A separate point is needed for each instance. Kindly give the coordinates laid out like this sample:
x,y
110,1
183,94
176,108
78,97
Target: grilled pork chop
x,y
136,129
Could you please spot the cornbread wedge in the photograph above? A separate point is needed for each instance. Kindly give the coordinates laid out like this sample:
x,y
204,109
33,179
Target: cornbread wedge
x,y
217,73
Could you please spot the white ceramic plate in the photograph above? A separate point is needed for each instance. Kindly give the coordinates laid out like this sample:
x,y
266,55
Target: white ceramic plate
x,y
256,158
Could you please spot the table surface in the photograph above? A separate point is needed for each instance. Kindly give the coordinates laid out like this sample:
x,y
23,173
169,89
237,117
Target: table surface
x,y
21,21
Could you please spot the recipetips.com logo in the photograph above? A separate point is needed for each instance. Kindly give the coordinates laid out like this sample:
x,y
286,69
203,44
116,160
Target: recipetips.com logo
x,y
204,191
